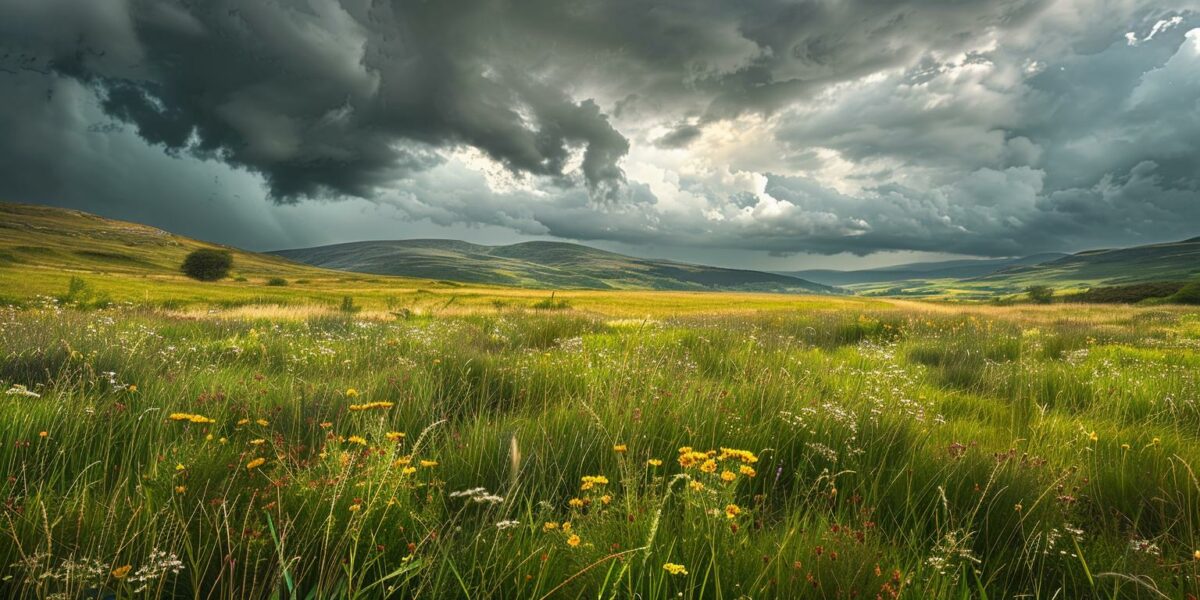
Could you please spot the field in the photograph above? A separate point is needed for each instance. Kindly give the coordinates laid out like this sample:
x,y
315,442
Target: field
x,y
826,448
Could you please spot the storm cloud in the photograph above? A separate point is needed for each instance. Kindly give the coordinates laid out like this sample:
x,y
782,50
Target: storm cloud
x,y
770,126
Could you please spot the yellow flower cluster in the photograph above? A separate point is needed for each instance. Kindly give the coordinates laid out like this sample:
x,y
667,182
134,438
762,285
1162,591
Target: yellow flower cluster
x,y
190,418
591,481
675,569
356,439
371,406
394,436
256,463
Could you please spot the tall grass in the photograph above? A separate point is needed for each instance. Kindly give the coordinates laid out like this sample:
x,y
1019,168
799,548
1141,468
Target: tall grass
x,y
893,454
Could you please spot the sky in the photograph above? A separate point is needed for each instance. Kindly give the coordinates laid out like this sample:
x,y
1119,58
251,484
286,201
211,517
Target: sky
x,y
773,134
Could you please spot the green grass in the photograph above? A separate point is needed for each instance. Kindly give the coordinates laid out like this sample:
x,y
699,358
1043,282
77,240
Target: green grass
x,y
911,452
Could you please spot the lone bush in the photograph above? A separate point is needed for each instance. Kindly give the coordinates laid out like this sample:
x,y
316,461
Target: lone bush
x,y
1041,294
207,264
276,282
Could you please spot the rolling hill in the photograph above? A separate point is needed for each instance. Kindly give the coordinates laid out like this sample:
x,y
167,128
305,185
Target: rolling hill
x,y
1170,261
949,269
540,264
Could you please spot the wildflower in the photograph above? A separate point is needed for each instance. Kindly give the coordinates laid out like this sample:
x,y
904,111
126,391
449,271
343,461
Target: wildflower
x,y
351,393
1155,442
326,425
728,476
745,456
575,503
573,541
696,486
1124,446
566,527
689,458
1017,507
408,470
1196,555
709,466
243,422
732,511
429,463
132,388
403,461
620,448
179,467
43,434
190,418
1093,437
371,406
256,463
355,507
747,470
208,438
654,462
179,489
590,481
257,442
550,526
605,499
355,439
394,436
674,569
262,422
223,440
121,572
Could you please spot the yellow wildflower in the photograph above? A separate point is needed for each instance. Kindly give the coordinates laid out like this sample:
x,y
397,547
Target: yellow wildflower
x,y
408,470
429,463
745,456
326,425
355,507
654,462
256,463
1093,437
43,434
605,499
355,439
257,442
179,467
262,422
674,569
709,466
590,481
566,527
190,418
394,436
575,502
243,422
121,572
371,406
732,511
696,486
620,448
728,476
573,541
179,489
550,526
351,393
747,470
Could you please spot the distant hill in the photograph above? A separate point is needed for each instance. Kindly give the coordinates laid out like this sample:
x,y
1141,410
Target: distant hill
x,y
1170,261
540,264
947,269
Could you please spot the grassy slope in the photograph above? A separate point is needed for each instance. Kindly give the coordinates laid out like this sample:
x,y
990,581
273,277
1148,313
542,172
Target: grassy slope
x,y
1175,261
41,248
539,264
912,273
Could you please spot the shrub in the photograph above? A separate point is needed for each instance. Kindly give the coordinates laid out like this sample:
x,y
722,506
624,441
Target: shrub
x,y
348,305
207,264
1189,294
276,282
1041,294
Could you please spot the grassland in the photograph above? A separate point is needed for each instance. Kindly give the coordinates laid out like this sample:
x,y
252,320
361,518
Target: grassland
x,y
897,450
168,438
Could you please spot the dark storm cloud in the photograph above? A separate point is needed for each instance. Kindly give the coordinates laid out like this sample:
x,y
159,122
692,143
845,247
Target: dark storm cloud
x,y
321,98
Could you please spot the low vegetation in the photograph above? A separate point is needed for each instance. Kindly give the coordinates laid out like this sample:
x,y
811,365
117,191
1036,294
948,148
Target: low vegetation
x,y
902,451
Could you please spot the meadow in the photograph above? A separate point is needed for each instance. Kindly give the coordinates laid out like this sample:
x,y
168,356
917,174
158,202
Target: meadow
x,y
822,448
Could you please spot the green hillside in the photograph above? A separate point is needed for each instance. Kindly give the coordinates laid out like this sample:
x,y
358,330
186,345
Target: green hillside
x,y
539,264
1174,262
